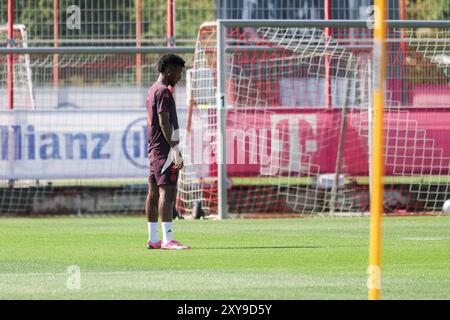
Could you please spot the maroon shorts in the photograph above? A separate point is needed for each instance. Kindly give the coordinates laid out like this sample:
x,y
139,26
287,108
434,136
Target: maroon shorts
x,y
168,177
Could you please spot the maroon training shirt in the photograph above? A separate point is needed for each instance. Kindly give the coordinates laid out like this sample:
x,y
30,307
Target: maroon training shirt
x,y
159,99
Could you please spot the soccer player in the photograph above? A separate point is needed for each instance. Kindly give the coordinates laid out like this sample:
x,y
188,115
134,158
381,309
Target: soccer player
x,y
163,139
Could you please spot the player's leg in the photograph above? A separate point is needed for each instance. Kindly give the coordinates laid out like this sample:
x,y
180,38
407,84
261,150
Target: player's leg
x,y
151,211
167,183
151,204
166,202
167,194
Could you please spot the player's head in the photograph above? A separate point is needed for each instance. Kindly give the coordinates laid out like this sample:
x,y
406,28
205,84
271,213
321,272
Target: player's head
x,y
170,67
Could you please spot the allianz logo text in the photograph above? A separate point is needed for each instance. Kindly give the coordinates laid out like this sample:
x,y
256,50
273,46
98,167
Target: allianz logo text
x,y
20,142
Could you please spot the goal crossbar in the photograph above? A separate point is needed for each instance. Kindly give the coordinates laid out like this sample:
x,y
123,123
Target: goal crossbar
x,y
330,23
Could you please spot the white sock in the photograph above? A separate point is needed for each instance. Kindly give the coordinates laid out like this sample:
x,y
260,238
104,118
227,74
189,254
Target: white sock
x,y
167,229
153,232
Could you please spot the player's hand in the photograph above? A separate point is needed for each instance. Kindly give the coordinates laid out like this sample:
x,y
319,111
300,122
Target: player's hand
x,y
179,166
177,159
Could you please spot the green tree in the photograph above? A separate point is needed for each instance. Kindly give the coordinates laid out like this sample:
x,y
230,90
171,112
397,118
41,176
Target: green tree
x,y
112,19
428,9
191,14
37,16
188,15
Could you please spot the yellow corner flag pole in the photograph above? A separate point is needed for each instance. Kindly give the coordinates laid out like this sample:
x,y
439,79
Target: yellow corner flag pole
x,y
376,199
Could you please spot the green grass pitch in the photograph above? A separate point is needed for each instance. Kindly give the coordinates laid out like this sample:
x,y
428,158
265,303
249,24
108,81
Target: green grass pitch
x,y
311,258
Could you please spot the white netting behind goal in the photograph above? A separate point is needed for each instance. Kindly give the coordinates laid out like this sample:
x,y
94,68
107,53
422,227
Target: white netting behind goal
x,y
80,148
432,44
298,126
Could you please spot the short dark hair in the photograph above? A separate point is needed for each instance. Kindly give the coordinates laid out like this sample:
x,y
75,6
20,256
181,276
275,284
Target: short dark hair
x,y
170,59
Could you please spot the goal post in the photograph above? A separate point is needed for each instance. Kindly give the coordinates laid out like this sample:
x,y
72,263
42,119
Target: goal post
x,y
263,140
221,101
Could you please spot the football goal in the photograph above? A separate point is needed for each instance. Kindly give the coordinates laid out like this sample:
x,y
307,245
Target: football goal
x,y
21,72
280,118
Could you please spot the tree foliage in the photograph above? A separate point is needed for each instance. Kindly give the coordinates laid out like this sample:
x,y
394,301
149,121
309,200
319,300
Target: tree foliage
x,y
111,19
428,9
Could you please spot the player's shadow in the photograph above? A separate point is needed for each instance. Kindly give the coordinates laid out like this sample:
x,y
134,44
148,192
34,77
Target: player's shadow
x,y
277,247
262,247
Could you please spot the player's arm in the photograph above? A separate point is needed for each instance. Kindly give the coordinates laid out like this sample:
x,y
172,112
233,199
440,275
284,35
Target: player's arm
x,y
166,128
